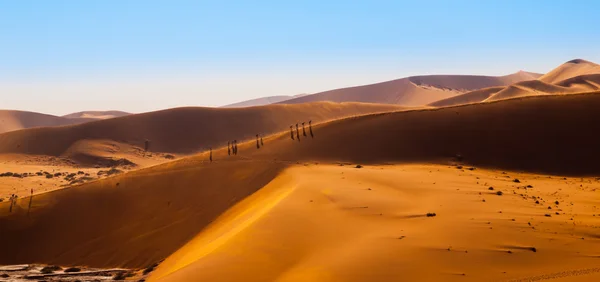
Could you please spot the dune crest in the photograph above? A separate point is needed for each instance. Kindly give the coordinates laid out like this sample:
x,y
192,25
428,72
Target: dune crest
x,y
181,130
16,120
415,90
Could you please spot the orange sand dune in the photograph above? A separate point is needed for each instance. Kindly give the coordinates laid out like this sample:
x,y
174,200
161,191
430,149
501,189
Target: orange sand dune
x,y
416,90
570,69
131,220
97,114
576,76
332,223
552,134
138,221
468,98
182,130
16,120
262,101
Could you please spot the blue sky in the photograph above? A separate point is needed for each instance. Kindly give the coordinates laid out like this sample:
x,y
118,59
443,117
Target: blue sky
x,y
64,56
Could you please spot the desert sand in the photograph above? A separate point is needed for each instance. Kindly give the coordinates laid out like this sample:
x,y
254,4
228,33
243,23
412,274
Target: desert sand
x,y
262,101
501,188
16,120
572,77
416,90
97,114
303,211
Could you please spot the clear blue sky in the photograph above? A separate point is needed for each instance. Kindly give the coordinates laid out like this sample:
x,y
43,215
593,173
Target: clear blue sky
x,y
64,56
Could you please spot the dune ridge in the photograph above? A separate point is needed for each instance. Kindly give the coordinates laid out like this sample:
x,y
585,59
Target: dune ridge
x,y
575,76
415,90
155,211
181,130
97,114
16,120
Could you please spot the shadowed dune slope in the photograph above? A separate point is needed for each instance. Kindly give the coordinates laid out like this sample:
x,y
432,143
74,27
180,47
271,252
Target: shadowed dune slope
x,y
17,120
468,98
182,130
553,134
415,90
97,114
132,220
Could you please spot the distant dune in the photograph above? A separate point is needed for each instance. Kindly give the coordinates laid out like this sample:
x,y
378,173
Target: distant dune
x,y
97,114
468,98
416,90
576,76
15,120
570,69
262,101
181,130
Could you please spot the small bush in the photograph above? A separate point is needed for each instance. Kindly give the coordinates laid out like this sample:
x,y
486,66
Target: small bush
x,y
50,269
122,275
358,166
169,157
49,175
491,188
39,173
499,193
150,268
4,275
72,269
431,214
516,180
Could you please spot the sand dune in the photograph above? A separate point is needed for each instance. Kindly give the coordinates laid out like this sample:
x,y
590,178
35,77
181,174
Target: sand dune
x,y
468,98
576,76
141,217
97,114
182,130
332,223
16,120
131,220
262,101
416,90
570,69
550,134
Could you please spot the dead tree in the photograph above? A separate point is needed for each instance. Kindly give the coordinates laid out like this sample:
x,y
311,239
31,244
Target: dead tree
x,y
210,156
228,149
257,143
303,130
146,145
261,141
297,132
310,129
236,147
292,131
30,200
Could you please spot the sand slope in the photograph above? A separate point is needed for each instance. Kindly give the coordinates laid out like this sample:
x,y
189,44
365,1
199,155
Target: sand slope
x,y
97,114
416,90
324,223
130,220
551,134
468,98
182,130
570,69
576,76
147,204
15,120
262,101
